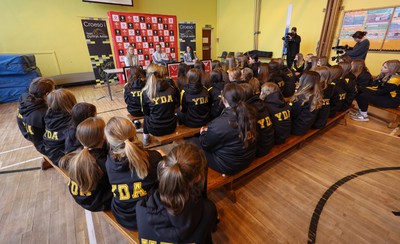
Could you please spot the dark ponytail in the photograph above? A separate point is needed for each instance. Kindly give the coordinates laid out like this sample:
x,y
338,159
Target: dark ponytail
x,y
244,118
359,34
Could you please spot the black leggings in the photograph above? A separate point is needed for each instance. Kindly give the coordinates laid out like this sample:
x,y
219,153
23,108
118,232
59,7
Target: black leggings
x,y
381,101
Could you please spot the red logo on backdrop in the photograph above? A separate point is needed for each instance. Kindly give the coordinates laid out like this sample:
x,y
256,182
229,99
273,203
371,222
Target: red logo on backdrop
x,y
139,30
173,71
207,65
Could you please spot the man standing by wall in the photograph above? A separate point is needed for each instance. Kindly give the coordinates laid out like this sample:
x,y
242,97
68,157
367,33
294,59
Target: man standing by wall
x,y
293,46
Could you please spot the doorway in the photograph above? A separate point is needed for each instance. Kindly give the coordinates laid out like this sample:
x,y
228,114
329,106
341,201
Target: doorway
x,y
206,43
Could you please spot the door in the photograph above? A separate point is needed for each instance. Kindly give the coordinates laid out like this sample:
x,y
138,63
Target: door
x,y
206,44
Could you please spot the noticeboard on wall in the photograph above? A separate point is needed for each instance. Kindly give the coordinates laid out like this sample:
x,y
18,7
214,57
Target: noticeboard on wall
x,y
382,25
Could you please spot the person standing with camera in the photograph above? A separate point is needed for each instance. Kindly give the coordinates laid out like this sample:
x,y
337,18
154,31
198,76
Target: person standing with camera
x,y
292,46
361,48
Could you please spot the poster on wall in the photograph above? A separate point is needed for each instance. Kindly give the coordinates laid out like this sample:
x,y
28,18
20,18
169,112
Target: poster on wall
x,y
187,37
376,25
143,32
98,43
352,22
382,26
392,41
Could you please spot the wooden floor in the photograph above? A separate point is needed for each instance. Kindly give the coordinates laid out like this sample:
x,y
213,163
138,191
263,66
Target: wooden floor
x,y
343,186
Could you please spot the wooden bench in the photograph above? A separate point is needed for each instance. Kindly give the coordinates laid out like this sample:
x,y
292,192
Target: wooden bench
x,y
391,123
131,236
217,180
181,132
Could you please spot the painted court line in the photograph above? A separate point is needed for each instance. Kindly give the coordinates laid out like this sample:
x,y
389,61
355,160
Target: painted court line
x,y
393,133
23,162
16,149
379,132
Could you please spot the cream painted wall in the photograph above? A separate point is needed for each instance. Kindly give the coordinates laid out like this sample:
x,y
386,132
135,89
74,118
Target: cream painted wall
x,y
307,16
374,60
52,29
235,25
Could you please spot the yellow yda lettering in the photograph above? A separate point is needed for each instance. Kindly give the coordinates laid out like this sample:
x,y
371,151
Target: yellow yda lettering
x,y
136,93
265,122
123,191
342,96
325,102
145,241
53,135
163,99
155,100
29,129
20,116
113,189
138,191
284,115
200,100
74,188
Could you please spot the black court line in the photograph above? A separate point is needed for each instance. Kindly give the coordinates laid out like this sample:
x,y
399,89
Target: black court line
x,y
312,231
19,170
111,110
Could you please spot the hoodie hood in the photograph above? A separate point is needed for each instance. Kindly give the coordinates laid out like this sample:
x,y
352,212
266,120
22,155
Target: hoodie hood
x,y
274,98
193,89
180,226
162,85
29,104
57,121
257,103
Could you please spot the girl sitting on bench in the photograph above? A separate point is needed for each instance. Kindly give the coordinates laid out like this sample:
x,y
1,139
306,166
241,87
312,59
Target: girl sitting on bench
x,y
80,112
86,169
132,171
32,110
306,102
159,100
279,110
195,102
229,140
177,212
327,91
383,92
57,120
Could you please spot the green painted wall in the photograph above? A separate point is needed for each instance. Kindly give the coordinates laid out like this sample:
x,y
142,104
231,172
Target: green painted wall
x,y
52,29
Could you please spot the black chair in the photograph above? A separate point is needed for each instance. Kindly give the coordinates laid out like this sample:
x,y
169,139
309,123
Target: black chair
x,y
223,55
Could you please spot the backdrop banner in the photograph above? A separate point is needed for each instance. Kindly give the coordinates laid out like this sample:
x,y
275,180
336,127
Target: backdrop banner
x,y
98,43
187,37
143,32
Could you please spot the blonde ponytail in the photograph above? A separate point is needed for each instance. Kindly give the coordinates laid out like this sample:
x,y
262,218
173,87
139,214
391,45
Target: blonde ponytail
x,y
138,158
121,134
85,171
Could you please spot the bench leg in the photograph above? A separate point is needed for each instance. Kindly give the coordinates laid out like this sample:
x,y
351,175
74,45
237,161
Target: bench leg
x,y
231,192
393,124
45,164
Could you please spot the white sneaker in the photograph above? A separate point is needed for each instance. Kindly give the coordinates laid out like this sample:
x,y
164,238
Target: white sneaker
x,y
359,117
146,141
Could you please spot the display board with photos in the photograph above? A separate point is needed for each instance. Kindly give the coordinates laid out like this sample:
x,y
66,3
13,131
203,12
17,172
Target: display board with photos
x,y
381,24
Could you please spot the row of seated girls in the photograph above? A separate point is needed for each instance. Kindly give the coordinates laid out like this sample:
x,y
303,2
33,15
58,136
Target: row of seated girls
x,y
383,91
109,168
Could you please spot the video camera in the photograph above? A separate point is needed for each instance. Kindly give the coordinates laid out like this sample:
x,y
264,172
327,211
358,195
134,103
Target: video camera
x,y
340,50
286,38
